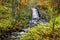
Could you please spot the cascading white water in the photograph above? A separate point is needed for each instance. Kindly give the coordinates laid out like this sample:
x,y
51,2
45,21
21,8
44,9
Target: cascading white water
x,y
35,13
35,16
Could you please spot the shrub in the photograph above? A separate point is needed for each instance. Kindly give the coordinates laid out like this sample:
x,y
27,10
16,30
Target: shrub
x,y
42,32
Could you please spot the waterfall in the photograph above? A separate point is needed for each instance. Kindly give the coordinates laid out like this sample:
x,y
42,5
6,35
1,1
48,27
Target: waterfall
x,y
32,22
35,19
35,13
35,16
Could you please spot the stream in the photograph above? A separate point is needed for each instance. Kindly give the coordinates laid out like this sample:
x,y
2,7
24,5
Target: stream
x,y
34,21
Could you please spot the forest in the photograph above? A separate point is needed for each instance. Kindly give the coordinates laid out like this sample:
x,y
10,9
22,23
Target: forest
x,y
29,19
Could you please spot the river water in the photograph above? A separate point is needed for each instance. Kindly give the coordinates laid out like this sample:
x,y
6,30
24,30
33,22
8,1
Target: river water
x,y
34,21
